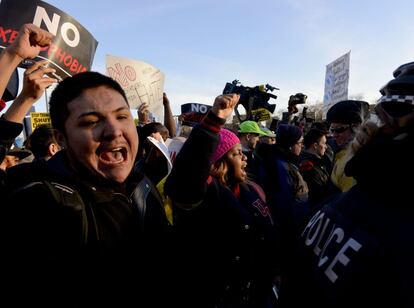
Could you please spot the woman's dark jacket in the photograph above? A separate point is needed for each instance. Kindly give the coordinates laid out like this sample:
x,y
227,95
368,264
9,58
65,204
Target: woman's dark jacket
x,y
228,243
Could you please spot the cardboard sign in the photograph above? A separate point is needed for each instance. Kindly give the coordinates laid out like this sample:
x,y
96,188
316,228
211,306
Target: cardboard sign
x,y
142,82
72,48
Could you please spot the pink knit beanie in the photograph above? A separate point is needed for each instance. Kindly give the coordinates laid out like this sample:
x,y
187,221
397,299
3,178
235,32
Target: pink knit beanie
x,y
227,140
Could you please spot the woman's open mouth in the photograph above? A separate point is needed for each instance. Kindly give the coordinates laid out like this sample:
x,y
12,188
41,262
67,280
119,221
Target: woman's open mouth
x,y
243,169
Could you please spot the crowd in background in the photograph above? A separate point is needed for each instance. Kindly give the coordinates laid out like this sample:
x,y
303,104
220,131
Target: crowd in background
x,y
108,213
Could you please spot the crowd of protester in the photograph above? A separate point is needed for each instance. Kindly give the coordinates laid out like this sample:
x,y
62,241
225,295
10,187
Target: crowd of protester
x,y
97,211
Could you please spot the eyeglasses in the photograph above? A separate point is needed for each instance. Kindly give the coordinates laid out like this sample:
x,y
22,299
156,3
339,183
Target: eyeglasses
x,y
338,130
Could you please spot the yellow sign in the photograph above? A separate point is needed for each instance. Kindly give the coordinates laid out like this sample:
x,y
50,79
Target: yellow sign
x,y
39,118
261,114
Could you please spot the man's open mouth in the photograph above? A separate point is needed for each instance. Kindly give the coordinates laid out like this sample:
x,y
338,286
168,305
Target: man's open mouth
x,y
114,156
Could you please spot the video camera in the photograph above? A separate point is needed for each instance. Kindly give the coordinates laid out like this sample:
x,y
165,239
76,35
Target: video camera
x,y
251,98
298,98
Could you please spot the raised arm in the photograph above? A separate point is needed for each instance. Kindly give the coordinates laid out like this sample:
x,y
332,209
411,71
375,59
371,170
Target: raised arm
x,y
188,179
168,117
34,84
26,46
143,114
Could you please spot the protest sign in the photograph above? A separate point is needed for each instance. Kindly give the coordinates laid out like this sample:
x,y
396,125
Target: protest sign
x,y
195,107
261,114
142,82
336,82
72,48
193,113
39,118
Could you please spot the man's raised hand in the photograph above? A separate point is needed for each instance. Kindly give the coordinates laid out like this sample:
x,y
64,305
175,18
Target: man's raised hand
x,y
30,40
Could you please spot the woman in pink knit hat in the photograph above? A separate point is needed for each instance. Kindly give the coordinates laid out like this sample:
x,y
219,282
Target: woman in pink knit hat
x,y
227,241
229,162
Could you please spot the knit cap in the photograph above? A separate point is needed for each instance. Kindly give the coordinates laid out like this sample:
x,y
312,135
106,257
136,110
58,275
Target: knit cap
x,y
287,135
227,140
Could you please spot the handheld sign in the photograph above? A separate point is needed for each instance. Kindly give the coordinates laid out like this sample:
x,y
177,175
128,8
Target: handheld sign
x,y
142,82
72,48
39,118
193,113
336,81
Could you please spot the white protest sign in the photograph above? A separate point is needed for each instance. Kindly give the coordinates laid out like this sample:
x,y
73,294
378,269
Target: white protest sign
x,y
142,82
336,82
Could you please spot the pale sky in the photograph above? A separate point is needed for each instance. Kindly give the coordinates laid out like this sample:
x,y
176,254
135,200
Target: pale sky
x,y
201,45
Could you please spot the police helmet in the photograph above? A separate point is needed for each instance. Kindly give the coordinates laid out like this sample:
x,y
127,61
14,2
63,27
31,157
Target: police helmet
x,y
398,94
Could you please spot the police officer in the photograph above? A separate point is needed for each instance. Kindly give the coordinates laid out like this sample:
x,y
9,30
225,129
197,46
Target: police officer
x,y
358,250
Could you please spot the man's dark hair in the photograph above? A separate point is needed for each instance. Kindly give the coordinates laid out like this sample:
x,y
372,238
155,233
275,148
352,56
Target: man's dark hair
x,y
73,87
312,136
147,130
152,127
39,141
323,126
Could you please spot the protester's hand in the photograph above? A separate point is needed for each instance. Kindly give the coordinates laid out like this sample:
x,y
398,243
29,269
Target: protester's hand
x,y
29,41
143,114
35,81
165,100
224,105
34,85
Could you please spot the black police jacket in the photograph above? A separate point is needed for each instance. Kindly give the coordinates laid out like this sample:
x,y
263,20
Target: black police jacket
x,y
358,249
